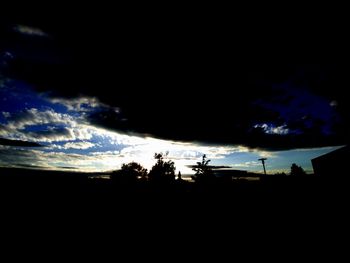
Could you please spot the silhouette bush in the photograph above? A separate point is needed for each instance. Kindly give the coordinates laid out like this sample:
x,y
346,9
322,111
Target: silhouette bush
x,y
130,172
296,170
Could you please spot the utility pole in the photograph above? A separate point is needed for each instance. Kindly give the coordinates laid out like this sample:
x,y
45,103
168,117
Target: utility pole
x,y
263,163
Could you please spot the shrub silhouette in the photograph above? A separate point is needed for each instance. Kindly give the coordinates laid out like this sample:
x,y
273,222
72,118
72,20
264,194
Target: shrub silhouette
x,y
296,170
130,172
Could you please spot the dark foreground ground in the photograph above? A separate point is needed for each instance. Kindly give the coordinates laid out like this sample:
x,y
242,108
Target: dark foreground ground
x,y
277,209
41,186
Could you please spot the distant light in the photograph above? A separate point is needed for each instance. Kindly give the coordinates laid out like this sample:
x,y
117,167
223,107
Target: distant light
x,y
6,55
31,31
333,103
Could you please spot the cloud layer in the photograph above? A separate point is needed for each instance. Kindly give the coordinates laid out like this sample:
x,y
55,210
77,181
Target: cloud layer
x,y
44,126
179,87
71,141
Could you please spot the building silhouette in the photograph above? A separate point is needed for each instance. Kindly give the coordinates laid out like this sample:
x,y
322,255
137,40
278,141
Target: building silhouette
x,y
333,164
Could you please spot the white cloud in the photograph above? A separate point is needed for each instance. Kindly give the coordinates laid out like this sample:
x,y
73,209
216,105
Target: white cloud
x,y
118,139
106,152
57,126
76,132
136,149
33,116
182,153
56,134
264,154
78,145
321,149
17,157
246,164
30,31
271,129
5,132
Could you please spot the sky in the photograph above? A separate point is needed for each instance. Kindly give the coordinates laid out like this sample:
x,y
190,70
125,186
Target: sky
x,y
81,95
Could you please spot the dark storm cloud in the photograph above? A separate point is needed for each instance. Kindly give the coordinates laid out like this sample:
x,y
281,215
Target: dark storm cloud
x,y
110,118
181,84
29,166
67,167
20,143
55,134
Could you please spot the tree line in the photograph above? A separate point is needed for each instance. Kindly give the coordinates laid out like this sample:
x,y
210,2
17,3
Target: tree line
x,y
163,171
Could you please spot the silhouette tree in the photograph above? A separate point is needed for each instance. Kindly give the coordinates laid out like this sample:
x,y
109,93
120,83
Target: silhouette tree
x,y
162,171
130,172
203,170
179,176
296,170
